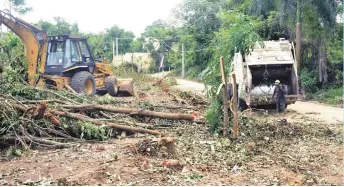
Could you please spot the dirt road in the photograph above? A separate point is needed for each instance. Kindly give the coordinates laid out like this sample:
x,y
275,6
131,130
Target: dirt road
x,y
319,111
313,110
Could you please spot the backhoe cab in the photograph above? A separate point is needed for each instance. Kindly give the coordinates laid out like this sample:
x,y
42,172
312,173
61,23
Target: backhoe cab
x,y
67,55
70,62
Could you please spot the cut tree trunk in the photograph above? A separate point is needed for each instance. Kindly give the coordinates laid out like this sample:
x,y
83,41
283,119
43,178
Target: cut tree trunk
x,y
132,111
99,123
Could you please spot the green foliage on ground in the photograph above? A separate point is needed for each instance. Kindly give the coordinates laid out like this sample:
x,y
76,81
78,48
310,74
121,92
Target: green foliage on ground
x,y
214,115
308,81
332,96
87,131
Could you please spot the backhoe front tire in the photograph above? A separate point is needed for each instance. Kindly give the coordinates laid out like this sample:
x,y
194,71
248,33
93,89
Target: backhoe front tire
x,y
83,83
111,85
101,92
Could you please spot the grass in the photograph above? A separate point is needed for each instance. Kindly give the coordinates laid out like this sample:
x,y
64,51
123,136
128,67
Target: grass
x,y
332,96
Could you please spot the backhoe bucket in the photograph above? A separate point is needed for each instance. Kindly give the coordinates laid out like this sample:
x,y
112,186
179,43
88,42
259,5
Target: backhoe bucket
x,y
125,87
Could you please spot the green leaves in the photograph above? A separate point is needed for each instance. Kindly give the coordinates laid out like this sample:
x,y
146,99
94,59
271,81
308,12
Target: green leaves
x,y
14,58
308,80
126,38
238,34
214,115
19,6
60,26
100,43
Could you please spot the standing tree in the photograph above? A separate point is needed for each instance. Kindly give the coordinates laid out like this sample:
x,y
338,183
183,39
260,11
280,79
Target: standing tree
x,y
19,6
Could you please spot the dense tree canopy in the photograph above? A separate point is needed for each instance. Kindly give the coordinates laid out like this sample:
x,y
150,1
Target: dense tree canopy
x,y
100,43
213,28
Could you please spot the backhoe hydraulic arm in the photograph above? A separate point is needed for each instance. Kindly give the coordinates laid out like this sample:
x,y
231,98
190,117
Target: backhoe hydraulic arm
x,y
34,40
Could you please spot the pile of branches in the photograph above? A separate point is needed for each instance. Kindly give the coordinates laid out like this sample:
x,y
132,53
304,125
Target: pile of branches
x,y
39,117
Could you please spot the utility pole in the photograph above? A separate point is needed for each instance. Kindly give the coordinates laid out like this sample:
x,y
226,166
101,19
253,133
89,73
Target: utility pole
x,y
116,46
183,70
298,36
113,53
163,55
1,36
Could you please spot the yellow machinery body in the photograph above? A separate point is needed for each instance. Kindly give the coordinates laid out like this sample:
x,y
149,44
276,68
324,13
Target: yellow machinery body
x,y
36,47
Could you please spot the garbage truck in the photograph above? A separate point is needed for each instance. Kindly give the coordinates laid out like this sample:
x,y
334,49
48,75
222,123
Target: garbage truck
x,y
256,73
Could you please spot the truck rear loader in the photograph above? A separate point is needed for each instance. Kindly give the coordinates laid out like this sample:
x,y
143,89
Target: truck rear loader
x,y
256,73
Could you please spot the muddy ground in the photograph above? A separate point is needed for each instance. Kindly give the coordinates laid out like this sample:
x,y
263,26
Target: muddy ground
x,y
303,151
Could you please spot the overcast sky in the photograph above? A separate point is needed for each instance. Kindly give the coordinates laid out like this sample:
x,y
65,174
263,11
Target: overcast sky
x,y
96,15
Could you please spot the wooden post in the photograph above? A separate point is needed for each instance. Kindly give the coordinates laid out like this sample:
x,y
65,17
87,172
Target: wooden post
x,y
298,37
225,99
235,106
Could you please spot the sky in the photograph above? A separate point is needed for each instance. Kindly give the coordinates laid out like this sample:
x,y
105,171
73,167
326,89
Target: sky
x,y
96,15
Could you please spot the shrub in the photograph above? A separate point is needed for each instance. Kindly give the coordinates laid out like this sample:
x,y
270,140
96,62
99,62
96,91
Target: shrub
x,y
308,81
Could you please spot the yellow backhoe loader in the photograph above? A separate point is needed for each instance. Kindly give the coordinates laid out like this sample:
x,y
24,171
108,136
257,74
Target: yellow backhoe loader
x,y
64,61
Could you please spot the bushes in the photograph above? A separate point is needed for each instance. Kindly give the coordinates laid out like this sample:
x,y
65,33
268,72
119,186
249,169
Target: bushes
x,y
214,115
308,81
332,96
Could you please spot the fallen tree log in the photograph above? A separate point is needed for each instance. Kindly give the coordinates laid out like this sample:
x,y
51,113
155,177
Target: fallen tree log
x,y
70,89
35,140
48,101
132,111
87,119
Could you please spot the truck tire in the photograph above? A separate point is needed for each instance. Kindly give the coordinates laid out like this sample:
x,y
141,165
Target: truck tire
x,y
83,83
242,105
111,85
101,92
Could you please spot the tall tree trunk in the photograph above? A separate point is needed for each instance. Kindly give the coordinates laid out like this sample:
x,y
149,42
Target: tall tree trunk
x,y
322,63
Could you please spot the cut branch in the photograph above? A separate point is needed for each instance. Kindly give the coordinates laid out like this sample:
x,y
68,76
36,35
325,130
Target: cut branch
x,y
99,123
132,111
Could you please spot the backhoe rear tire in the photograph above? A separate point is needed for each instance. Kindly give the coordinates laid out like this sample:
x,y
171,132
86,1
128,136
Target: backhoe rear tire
x,y
83,83
111,85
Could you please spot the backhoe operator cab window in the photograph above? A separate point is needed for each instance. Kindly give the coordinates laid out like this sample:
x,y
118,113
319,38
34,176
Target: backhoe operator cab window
x,y
56,51
84,50
73,53
68,52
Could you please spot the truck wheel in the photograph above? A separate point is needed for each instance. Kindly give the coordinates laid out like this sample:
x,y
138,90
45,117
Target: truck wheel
x,y
242,105
101,92
111,85
83,83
